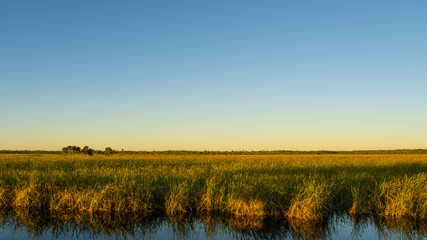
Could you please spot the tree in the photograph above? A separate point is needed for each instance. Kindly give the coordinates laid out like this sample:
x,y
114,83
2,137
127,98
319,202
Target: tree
x,y
77,149
108,151
71,149
90,152
87,150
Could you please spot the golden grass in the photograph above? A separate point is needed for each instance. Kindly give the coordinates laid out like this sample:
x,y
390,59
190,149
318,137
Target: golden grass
x,y
360,201
179,200
312,202
251,207
212,198
4,200
404,197
302,187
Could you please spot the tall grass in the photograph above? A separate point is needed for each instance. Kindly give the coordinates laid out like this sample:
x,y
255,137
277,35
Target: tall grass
x,y
403,197
312,202
302,187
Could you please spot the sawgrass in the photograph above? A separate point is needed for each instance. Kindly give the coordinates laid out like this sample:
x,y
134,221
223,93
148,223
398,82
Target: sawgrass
x,y
301,187
403,197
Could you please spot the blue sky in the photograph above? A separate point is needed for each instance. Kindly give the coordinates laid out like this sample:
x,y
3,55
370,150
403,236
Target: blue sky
x,y
213,75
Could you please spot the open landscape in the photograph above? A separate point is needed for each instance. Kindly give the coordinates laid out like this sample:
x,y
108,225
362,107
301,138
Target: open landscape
x,y
300,187
213,120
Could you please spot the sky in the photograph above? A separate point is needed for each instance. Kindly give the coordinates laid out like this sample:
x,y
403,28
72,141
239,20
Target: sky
x,y
213,75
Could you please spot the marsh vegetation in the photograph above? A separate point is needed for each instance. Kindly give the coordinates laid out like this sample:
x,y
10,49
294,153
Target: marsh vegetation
x,y
295,187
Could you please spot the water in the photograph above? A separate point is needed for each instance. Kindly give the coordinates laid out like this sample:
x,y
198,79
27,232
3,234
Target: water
x,y
342,226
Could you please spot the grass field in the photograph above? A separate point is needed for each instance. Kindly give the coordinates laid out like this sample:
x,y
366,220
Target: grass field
x,y
303,187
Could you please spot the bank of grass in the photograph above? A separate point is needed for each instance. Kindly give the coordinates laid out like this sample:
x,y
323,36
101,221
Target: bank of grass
x,y
301,187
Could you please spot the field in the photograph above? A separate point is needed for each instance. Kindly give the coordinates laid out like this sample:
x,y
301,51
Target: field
x,y
303,187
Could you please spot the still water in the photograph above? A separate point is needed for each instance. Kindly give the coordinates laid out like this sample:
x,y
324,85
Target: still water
x,y
339,226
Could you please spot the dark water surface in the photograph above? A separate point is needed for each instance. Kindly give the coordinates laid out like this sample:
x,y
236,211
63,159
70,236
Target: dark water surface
x,y
339,226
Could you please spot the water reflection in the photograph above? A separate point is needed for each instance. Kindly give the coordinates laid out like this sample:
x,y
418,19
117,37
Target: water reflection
x,y
39,225
391,228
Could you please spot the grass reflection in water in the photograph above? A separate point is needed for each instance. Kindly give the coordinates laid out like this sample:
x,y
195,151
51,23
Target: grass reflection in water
x,y
106,226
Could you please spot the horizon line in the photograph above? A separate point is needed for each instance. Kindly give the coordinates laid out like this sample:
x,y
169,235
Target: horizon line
x,y
184,150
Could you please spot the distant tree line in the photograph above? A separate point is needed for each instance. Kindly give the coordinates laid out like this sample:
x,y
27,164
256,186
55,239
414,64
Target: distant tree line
x,y
76,150
86,150
277,152
109,151
28,152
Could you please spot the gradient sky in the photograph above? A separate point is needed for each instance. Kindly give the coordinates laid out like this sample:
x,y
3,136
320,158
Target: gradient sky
x,y
213,75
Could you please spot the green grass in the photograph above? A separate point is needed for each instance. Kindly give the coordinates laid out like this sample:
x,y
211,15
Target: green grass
x,y
304,187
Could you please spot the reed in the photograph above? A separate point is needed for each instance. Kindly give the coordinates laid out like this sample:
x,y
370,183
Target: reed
x,y
312,202
179,200
300,187
403,197
213,197
251,207
4,197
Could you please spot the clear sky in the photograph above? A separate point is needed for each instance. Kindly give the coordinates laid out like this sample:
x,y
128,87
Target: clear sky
x,y
213,75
